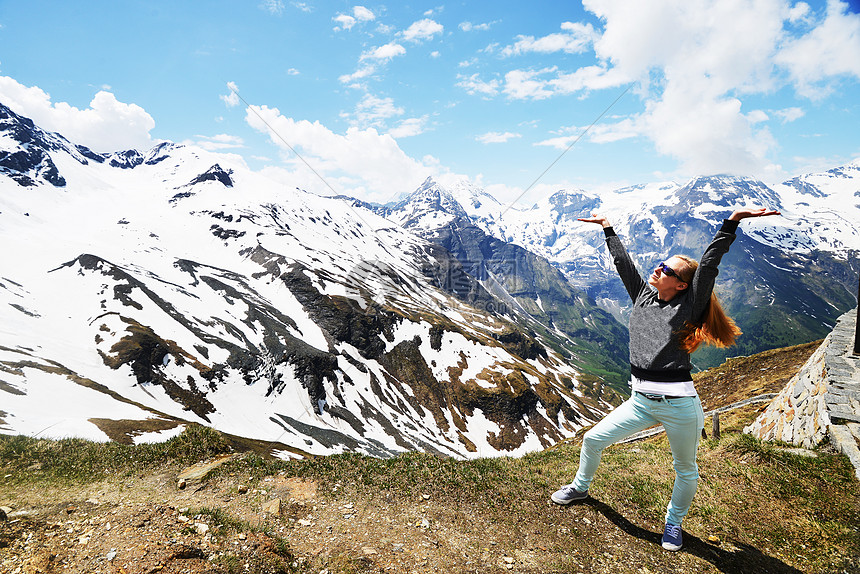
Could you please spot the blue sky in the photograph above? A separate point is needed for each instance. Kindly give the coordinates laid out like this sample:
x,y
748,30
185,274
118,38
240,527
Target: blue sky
x,y
377,96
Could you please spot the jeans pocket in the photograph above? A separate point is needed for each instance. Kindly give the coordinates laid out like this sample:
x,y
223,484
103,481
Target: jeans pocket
x,y
688,408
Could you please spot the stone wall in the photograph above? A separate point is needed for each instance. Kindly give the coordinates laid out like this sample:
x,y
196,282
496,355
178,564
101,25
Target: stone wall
x,y
822,400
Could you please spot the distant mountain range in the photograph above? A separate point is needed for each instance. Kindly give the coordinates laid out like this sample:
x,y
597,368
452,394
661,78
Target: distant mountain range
x,y
785,281
142,291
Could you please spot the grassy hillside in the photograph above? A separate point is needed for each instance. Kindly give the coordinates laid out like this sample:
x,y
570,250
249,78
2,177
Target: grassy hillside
x,y
75,506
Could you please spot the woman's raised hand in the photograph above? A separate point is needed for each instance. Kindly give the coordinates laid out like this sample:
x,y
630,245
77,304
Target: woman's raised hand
x,y
745,212
595,218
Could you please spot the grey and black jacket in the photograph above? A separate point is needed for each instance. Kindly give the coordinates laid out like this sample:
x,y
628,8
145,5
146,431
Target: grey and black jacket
x,y
655,325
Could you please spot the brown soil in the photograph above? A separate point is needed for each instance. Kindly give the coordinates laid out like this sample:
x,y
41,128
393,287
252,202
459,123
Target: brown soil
x,y
741,378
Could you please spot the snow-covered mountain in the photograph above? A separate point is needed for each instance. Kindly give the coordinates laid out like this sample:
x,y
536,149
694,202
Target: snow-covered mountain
x,y
141,291
786,280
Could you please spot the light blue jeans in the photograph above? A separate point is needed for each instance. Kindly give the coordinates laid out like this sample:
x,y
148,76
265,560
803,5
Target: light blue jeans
x,y
683,420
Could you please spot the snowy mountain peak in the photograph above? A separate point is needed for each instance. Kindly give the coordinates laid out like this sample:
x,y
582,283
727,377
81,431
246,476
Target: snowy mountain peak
x,y
215,173
125,159
160,152
33,156
474,199
25,156
22,130
429,207
434,193
572,204
728,191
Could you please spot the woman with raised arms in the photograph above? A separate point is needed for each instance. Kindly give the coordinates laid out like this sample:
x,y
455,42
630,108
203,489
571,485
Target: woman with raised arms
x,y
674,311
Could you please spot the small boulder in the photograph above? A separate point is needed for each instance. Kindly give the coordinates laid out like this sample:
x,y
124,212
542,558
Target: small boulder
x,y
273,506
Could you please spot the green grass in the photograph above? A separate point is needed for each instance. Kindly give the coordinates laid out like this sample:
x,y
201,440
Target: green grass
x,y
82,460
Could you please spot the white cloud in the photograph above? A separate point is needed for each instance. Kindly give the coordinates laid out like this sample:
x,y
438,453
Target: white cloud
x,y
344,22
231,99
385,52
381,54
360,74
470,27
799,12
422,30
788,115
496,137
623,129
827,52
586,79
409,127
363,14
695,62
362,162
575,39
219,142
550,82
526,84
373,111
509,195
107,125
708,133
359,14
474,85
275,7
385,29
568,136
560,142
757,117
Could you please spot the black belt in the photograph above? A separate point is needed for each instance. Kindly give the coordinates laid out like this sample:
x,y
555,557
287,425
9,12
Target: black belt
x,y
658,398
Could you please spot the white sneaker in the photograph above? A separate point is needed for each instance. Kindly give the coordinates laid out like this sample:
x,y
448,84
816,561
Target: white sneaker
x,y
567,494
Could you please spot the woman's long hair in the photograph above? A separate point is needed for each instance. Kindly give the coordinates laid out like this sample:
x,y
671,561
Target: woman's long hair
x,y
715,327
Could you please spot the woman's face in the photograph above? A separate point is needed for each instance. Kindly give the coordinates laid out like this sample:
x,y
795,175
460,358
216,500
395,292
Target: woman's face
x,y
668,277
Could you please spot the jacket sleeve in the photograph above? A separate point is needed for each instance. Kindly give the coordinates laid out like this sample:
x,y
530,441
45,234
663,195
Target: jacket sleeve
x,y
703,281
633,282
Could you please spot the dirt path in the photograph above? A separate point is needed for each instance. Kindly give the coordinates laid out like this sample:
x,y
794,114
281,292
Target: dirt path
x,y
147,524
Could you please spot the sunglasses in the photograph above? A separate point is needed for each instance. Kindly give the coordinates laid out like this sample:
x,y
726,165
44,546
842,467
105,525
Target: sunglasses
x,y
666,270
